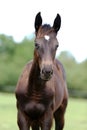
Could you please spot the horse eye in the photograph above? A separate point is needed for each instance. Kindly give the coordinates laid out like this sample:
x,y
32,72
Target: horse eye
x,y
56,46
37,45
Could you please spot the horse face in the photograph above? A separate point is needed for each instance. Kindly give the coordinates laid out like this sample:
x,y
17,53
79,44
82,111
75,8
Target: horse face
x,y
45,50
46,45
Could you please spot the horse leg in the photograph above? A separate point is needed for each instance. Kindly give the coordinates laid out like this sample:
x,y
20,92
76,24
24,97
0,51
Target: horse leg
x,y
35,127
46,122
59,116
22,121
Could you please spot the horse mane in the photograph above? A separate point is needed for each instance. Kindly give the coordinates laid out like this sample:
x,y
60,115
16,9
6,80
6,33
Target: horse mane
x,y
44,30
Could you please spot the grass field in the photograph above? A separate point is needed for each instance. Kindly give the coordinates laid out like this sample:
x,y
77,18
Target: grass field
x,y
75,117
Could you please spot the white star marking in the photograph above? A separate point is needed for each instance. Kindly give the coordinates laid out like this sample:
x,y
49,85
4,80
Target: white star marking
x,y
47,37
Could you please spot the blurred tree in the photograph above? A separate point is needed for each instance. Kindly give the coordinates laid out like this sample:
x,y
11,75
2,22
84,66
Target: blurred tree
x,y
7,47
76,74
13,58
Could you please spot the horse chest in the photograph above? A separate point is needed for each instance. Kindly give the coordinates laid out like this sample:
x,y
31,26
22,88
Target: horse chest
x,y
34,110
37,104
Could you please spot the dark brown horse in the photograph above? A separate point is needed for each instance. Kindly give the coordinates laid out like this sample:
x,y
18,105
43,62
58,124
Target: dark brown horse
x,y
41,91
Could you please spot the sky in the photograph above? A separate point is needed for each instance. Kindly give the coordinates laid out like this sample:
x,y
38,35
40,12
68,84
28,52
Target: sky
x,y
17,20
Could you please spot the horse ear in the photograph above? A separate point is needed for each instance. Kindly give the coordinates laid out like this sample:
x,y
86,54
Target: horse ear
x,y
38,21
57,23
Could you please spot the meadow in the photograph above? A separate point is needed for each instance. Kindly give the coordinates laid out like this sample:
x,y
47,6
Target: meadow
x,y
75,117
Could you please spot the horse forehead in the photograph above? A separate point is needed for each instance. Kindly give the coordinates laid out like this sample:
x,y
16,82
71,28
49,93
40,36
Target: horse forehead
x,y
47,37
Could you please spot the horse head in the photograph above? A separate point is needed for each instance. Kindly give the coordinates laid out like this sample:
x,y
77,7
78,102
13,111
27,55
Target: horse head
x,y
46,44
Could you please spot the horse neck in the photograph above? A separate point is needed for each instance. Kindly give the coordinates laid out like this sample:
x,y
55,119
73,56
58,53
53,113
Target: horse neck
x,y
34,72
34,78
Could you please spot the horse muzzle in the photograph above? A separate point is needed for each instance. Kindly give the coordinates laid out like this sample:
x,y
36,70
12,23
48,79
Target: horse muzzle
x,y
46,73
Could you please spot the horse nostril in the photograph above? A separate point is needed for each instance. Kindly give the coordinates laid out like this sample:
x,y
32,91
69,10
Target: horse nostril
x,y
51,72
43,71
47,72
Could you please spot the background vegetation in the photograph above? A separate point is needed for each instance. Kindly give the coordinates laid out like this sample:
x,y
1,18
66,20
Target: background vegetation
x,y
14,56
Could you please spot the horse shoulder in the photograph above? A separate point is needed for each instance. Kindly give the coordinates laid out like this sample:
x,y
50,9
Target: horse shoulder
x,y
60,69
23,79
62,74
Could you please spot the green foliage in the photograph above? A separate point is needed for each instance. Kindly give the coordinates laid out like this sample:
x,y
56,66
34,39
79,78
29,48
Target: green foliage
x,y
76,74
14,56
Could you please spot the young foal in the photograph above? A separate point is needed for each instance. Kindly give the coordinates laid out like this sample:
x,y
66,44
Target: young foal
x,y
41,91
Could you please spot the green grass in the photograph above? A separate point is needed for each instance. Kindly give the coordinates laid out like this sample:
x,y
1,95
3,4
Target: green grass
x,y
7,112
75,117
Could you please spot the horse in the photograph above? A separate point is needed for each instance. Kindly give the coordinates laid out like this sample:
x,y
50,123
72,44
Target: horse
x,y
41,91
